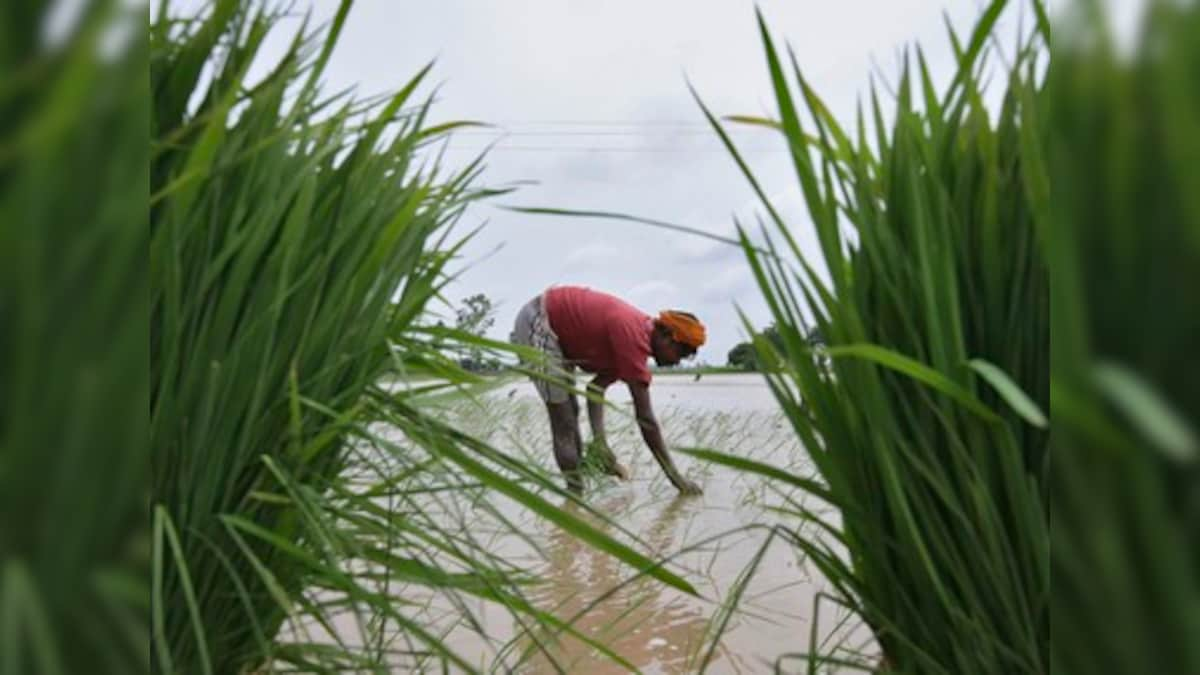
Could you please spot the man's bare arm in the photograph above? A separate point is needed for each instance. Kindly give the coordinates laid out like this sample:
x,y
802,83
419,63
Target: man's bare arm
x,y
595,406
652,434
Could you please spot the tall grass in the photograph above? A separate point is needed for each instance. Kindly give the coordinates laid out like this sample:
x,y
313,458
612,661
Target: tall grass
x,y
926,428
296,240
294,244
1116,140
74,388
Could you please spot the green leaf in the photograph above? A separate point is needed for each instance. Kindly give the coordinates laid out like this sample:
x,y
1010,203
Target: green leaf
x,y
761,469
1149,412
576,213
1010,392
22,608
164,528
916,370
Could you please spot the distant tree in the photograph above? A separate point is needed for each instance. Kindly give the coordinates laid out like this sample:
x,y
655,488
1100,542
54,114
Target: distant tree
x,y
742,356
476,316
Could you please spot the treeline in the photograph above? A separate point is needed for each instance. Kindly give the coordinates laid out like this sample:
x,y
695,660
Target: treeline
x,y
744,356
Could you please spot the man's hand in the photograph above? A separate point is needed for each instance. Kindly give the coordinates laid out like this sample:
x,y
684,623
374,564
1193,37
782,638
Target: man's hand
x,y
687,487
606,459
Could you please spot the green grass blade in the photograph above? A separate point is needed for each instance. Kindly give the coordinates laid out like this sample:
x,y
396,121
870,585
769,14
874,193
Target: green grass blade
x,y
916,370
1148,411
1008,390
568,522
745,465
163,525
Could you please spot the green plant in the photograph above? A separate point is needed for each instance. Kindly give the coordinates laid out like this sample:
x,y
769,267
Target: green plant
x,y
1114,139
294,245
476,316
295,241
74,387
926,428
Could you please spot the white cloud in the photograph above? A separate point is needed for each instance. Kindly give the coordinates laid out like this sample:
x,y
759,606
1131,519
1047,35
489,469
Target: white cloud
x,y
653,295
594,253
727,285
538,68
697,249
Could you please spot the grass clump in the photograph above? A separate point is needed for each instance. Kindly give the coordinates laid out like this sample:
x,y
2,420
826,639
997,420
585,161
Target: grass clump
x,y
295,241
927,427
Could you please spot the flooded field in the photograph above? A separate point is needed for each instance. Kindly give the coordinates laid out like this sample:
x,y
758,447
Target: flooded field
x,y
721,542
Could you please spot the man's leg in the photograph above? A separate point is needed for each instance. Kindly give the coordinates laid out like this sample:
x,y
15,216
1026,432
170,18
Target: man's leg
x,y
564,427
574,401
552,377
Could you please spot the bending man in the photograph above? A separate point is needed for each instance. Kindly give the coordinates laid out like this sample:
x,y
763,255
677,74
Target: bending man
x,y
604,335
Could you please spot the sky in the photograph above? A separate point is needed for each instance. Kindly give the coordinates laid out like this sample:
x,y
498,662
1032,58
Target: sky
x,y
590,110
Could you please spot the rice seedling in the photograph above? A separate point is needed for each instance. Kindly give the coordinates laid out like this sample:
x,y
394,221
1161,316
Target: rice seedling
x,y
296,239
926,427
711,540
73,363
1114,138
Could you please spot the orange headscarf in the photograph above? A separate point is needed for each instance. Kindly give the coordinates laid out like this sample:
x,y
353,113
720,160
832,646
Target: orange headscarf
x,y
684,327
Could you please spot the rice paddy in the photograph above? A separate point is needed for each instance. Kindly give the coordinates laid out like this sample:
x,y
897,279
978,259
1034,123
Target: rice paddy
x,y
724,542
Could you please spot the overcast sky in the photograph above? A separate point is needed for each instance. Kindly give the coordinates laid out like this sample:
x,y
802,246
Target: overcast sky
x,y
590,104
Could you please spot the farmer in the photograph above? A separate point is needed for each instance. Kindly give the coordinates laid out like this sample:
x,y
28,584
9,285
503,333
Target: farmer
x,y
602,334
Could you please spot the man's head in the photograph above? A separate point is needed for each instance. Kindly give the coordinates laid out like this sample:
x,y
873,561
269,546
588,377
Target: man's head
x,y
677,335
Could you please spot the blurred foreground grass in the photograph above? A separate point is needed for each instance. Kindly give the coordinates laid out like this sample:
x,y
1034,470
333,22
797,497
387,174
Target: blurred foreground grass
x,y
1002,263
1115,137
74,378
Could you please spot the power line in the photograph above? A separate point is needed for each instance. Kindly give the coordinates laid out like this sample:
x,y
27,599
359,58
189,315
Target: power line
x,y
659,132
534,148
602,123
681,132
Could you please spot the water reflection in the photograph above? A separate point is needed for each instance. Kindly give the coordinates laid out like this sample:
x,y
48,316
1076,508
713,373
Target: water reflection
x,y
653,626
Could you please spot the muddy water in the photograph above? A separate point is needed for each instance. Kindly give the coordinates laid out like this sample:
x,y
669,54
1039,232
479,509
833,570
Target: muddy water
x,y
721,542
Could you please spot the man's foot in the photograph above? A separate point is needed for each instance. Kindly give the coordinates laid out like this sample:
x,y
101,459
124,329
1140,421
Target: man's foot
x,y
574,482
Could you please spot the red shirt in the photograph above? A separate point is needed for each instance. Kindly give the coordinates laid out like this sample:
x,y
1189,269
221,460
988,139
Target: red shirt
x,y
601,333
